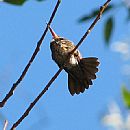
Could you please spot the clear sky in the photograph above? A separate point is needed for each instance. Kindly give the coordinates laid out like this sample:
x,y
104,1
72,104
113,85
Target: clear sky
x,y
20,29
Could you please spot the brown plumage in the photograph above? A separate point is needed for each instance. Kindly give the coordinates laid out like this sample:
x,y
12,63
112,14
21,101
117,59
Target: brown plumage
x,y
81,71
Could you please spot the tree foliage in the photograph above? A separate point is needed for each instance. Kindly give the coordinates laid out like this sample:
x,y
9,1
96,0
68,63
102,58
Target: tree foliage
x,y
17,2
126,96
109,23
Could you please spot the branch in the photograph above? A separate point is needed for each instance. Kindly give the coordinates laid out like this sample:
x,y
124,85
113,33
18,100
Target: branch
x,y
102,8
10,93
5,125
36,100
58,72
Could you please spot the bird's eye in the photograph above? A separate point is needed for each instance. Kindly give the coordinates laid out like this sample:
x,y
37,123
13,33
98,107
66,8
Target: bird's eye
x,y
61,38
58,43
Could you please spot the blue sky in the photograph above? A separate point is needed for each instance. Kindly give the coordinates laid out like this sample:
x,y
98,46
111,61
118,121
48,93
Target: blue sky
x,y
21,28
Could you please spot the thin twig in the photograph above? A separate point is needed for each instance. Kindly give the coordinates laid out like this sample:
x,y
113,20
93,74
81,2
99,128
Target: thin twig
x,y
10,93
58,72
36,100
5,125
102,8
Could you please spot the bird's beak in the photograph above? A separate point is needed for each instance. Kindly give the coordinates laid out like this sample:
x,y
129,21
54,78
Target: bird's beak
x,y
54,35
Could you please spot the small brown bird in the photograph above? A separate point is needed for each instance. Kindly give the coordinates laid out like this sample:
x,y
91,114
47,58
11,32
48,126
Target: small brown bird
x,y
80,70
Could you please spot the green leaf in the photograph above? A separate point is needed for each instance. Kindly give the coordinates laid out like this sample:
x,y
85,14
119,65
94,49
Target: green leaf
x,y
108,29
126,96
15,2
93,14
128,18
88,17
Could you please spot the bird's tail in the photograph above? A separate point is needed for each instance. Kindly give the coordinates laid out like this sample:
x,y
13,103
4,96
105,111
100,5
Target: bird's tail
x,y
81,76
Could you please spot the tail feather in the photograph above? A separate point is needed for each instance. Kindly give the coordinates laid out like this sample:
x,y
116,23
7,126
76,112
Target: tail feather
x,y
88,74
89,81
78,87
89,67
75,86
71,84
91,61
90,64
80,77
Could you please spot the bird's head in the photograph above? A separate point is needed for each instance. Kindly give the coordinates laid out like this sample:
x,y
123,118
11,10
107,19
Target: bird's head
x,y
55,38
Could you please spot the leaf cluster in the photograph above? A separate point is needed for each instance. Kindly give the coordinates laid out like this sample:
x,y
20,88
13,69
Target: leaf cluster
x,y
17,2
110,21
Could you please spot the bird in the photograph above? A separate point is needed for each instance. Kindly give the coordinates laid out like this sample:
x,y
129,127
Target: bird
x,y
81,71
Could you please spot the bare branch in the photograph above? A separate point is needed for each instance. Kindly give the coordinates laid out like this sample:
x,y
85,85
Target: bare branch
x,y
102,8
10,93
36,100
5,125
58,72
